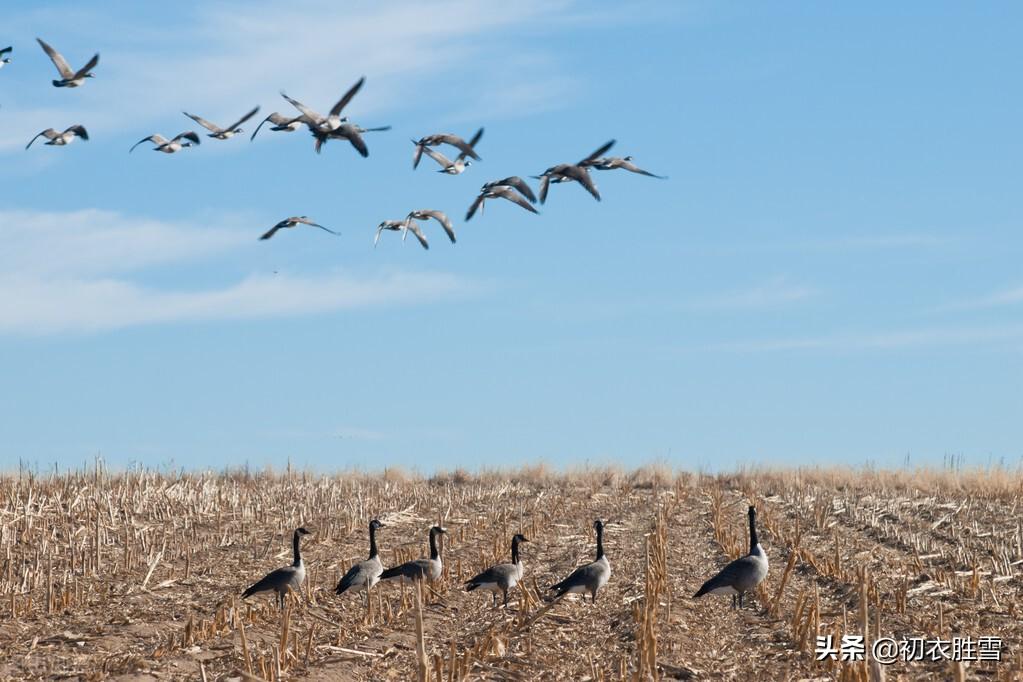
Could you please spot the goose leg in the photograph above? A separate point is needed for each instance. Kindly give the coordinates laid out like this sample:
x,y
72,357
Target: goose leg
x,y
733,602
740,599
506,599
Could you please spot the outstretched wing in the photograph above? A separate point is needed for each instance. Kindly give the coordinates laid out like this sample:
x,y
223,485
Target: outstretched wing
x,y
510,194
472,143
314,118
213,128
156,139
58,60
89,66
438,157
49,134
243,119
273,230
477,202
599,152
521,185
347,97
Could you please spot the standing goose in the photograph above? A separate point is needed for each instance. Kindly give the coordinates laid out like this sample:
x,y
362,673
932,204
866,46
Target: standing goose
x,y
742,575
625,162
280,123
61,139
440,217
498,192
572,171
292,222
169,146
445,138
68,78
216,131
4,59
284,578
334,119
590,577
502,577
365,574
420,568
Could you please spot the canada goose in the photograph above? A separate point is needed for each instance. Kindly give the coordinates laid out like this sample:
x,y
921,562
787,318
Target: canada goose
x,y
216,131
573,171
68,78
514,181
743,574
169,146
440,217
502,577
292,222
333,120
365,574
420,568
4,59
409,225
280,122
284,578
392,225
61,139
460,163
445,138
590,577
613,162
498,192
346,131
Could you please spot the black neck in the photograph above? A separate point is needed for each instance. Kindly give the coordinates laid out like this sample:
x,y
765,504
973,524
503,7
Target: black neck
x,y
434,554
298,553
515,550
752,534
372,541
600,542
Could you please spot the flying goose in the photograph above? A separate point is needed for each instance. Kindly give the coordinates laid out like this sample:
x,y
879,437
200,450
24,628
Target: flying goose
x,y
410,225
590,577
334,119
61,139
498,192
743,574
440,217
445,138
460,163
514,181
169,146
392,225
292,222
68,78
284,578
613,162
4,59
572,171
502,577
420,568
365,574
280,122
216,131
347,131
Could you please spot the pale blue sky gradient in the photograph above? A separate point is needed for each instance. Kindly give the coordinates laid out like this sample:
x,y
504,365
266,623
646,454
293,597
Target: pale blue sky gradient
x,y
830,275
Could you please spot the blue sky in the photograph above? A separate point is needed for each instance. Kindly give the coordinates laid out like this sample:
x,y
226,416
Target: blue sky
x,y
831,274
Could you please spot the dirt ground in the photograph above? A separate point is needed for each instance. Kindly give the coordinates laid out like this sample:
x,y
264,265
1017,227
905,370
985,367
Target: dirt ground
x,y
138,576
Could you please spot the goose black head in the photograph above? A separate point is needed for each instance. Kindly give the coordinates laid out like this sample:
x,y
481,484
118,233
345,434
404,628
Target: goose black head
x,y
520,538
302,531
438,529
598,525
375,523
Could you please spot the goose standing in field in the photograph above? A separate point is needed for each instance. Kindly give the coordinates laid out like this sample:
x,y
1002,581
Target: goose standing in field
x,y
333,120
445,138
4,59
420,568
502,577
68,78
439,216
365,574
742,575
58,139
293,221
573,171
169,146
624,162
590,577
490,191
216,131
284,578
280,123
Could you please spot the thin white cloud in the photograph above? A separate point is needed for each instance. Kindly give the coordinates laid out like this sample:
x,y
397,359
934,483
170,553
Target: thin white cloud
x,y
883,340
996,299
771,294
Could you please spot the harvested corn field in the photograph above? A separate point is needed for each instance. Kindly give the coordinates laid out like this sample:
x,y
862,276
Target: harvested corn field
x,y
138,575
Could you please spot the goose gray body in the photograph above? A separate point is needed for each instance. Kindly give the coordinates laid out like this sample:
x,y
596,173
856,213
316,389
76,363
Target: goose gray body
x,y
439,216
742,575
500,579
390,225
420,568
68,77
514,181
445,138
589,577
460,163
294,221
280,123
218,133
285,578
573,171
623,162
61,139
498,192
365,574
169,146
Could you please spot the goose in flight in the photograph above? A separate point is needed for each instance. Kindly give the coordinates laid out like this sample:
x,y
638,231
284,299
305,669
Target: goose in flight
x,y
514,181
4,59
445,138
572,171
625,162
216,131
169,146
333,120
392,225
346,131
68,78
280,123
460,163
440,217
292,222
409,225
498,192
61,139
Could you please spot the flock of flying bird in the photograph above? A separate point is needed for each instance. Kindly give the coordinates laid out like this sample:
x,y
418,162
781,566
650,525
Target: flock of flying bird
x,y
334,126
736,578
